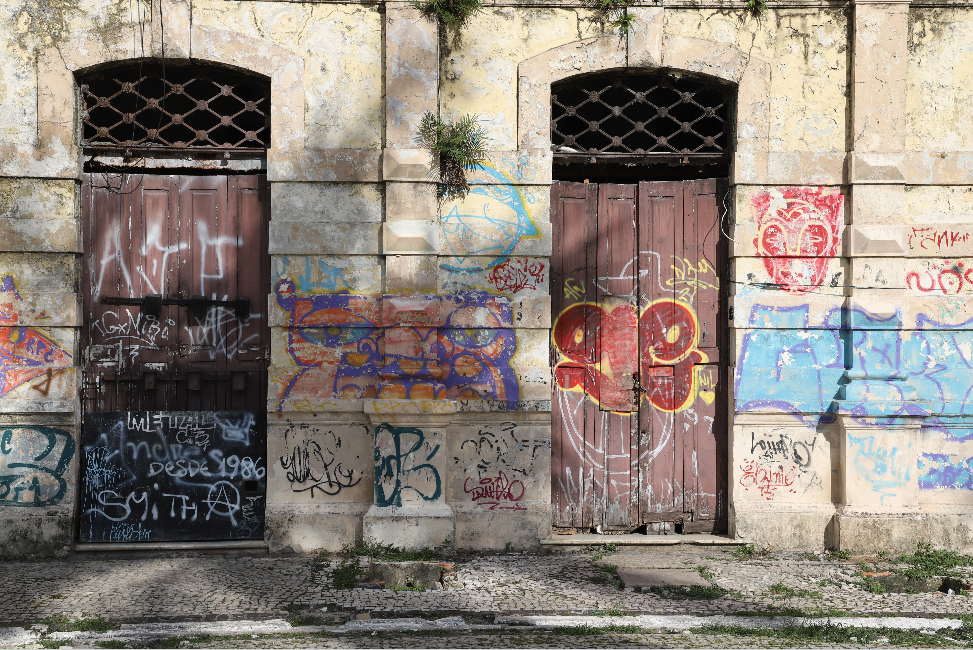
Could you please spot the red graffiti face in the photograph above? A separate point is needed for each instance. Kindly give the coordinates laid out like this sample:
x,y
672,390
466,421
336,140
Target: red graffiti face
x,y
602,347
798,231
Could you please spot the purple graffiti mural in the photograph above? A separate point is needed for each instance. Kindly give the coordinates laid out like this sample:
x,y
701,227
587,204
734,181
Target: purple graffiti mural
x,y
398,347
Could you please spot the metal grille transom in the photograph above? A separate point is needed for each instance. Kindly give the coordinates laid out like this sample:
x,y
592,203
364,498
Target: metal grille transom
x,y
626,113
175,107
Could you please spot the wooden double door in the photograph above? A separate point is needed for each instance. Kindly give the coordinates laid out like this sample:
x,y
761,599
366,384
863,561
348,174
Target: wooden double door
x,y
175,348
639,356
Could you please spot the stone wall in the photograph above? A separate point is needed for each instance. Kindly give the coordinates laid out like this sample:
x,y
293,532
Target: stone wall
x,y
410,382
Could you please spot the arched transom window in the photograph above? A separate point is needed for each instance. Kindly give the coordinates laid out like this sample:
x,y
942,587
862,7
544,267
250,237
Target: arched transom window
x,y
634,113
146,106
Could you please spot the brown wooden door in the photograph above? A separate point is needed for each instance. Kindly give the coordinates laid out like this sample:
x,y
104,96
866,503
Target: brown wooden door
x,y
187,378
636,351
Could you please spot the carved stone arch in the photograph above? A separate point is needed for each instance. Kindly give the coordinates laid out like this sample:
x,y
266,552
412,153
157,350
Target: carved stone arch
x,y
647,46
57,132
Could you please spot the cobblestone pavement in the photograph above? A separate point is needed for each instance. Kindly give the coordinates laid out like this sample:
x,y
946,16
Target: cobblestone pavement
x,y
252,585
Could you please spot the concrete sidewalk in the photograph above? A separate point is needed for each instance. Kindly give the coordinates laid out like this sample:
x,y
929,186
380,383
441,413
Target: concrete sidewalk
x,y
490,593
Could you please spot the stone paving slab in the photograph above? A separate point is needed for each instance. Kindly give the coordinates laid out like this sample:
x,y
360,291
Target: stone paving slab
x,y
636,577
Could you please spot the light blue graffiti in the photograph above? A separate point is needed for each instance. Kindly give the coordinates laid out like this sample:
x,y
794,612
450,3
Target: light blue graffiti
x,y
878,465
331,279
501,219
798,366
942,471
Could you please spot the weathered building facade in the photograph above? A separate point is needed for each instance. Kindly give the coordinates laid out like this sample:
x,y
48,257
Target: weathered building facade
x,y
714,276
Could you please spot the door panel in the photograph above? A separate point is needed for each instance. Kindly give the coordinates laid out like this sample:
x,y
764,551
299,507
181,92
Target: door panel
x,y
183,240
636,353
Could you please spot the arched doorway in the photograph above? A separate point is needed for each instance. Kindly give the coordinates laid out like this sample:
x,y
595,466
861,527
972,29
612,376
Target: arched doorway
x,y
176,275
639,338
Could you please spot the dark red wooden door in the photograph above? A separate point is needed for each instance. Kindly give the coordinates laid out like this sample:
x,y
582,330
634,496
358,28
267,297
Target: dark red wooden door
x,y
178,237
174,395
636,352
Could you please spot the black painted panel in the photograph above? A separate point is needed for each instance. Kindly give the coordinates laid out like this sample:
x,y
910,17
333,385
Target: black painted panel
x,y
173,476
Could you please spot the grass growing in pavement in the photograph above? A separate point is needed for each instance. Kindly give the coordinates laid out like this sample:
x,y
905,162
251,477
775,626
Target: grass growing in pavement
x,y
841,556
831,633
345,576
584,630
871,585
389,553
691,592
62,623
608,575
780,589
750,552
300,619
926,562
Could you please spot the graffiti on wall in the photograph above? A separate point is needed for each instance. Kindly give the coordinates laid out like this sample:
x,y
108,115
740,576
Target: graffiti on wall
x,y
767,478
498,492
498,459
33,461
26,353
798,231
322,274
403,467
312,465
882,466
517,275
601,351
354,347
489,223
945,471
930,238
940,277
797,367
780,459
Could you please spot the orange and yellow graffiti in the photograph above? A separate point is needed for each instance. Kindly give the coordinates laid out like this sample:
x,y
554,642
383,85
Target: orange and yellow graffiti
x,y
611,354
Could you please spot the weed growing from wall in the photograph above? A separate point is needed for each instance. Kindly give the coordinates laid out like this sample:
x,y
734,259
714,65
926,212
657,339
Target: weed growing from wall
x,y
756,7
458,147
614,13
451,13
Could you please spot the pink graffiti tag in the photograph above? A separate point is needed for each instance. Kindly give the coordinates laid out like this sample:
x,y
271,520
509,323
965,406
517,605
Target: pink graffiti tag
x,y
798,232
517,275
767,479
930,238
499,492
949,280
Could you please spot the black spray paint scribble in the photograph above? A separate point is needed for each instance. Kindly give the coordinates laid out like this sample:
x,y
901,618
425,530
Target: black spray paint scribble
x,y
312,465
504,450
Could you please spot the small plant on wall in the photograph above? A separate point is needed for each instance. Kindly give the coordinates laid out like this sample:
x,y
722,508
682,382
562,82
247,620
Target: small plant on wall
x,y
458,147
756,7
451,13
615,13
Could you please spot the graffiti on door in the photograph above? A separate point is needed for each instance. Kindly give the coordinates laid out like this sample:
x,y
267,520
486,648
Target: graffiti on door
x,y
601,349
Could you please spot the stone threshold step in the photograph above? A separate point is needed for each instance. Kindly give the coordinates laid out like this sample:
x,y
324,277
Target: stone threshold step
x,y
643,540
229,544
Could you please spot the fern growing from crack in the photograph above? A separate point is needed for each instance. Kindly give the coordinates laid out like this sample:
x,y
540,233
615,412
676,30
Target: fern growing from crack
x,y
453,14
458,147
